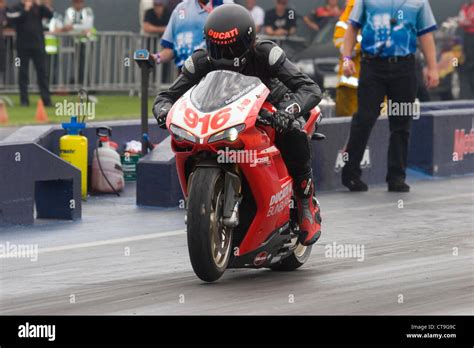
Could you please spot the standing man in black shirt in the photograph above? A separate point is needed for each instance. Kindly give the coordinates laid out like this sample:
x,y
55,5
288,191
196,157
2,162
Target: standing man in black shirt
x,y
3,53
26,17
280,21
156,18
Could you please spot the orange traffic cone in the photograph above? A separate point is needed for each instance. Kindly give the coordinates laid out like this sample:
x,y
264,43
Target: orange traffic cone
x,y
3,113
41,114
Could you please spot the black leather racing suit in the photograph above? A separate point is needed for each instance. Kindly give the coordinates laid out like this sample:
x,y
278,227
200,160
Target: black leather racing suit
x,y
286,83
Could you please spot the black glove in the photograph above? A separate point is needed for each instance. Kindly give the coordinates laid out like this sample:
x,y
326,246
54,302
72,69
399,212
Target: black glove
x,y
160,111
282,121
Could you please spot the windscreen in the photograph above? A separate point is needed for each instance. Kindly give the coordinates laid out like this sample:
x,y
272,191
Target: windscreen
x,y
221,88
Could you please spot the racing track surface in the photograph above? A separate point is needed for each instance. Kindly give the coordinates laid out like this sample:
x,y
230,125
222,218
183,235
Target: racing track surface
x,y
408,252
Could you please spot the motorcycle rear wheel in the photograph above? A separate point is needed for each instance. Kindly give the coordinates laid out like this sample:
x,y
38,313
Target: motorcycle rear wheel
x,y
294,261
209,241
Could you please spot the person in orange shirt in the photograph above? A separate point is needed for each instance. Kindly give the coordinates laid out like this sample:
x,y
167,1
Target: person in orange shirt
x,y
321,16
346,91
3,53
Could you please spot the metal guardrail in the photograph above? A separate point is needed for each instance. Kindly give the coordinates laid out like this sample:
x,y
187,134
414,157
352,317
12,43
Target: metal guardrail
x,y
283,39
104,63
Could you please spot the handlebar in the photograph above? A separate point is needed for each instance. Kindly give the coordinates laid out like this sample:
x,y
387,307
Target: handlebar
x,y
266,118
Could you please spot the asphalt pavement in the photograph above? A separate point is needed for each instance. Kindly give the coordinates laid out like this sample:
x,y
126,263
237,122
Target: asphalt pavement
x,y
416,254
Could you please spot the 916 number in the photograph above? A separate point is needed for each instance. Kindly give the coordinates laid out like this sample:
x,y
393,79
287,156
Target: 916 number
x,y
192,120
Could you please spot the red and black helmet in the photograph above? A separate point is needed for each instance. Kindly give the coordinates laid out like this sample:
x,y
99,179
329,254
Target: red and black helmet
x,y
230,36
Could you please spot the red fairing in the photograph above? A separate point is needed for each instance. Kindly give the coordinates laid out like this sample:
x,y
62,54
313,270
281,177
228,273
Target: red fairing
x,y
272,189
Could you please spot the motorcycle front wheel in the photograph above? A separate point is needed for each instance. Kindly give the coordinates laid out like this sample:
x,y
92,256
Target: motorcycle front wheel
x,y
209,241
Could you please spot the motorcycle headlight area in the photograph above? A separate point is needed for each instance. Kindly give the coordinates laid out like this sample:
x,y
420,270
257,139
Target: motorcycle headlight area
x,y
230,134
181,135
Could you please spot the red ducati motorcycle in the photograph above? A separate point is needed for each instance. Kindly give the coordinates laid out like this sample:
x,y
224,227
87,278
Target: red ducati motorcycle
x,y
240,207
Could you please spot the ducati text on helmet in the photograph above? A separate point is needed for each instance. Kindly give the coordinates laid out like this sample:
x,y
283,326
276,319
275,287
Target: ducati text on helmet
x,y
224,38
230,36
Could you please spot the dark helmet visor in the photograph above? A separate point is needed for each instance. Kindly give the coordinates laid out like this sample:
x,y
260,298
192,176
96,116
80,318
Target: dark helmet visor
x,y
228,51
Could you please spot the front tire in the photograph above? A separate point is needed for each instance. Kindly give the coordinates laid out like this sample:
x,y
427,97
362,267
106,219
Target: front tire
x,y
209,241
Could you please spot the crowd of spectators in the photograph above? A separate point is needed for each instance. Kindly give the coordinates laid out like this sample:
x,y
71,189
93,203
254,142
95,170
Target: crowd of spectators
x,y
180,24
278,21
155,17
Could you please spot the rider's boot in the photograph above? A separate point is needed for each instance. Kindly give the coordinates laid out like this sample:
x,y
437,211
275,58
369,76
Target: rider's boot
x,y
309,217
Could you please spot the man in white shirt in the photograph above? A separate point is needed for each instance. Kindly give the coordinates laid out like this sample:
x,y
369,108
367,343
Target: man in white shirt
x,y
79,19
257,13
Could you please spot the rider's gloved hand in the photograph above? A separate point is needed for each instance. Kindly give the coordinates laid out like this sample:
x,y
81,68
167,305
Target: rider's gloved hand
x,y
282,121
160,111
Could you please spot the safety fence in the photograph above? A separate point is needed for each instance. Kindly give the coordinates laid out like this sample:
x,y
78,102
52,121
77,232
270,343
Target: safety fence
x,y
103,62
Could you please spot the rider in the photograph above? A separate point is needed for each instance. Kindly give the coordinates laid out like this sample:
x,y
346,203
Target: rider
x,y
232,45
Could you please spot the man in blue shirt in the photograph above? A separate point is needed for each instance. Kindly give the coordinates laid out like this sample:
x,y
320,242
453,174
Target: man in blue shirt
x,y
390,29
185,31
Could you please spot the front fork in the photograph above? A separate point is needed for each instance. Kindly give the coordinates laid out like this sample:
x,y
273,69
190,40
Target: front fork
x,y
232,199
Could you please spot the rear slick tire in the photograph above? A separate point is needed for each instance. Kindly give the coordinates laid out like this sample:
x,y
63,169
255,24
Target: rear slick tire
x,y
294,261
209,242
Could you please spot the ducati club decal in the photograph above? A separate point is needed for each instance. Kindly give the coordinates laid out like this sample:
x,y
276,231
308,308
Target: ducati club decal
x,y
280,201
260,259
240,94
